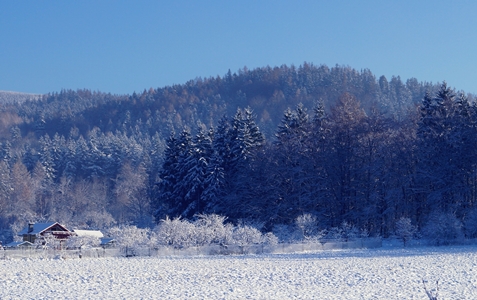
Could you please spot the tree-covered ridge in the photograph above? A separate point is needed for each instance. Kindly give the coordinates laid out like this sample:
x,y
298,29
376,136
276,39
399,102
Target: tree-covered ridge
x,y
268,145
269,91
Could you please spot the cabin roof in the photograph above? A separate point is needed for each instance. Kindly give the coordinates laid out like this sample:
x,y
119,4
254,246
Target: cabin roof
x,y
41,227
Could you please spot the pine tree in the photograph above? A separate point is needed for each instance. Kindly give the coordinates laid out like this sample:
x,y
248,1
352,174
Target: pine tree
x,y
168,177
294,163
435,145
244,138
245,141
196,166
46,158
284,132
462,145
177,201
214,185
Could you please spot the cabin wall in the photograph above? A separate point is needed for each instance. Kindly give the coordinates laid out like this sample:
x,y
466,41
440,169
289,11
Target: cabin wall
x,y
29,238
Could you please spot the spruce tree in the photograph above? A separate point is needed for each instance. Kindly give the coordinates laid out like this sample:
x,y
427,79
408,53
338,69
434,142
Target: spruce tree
x,y
195,167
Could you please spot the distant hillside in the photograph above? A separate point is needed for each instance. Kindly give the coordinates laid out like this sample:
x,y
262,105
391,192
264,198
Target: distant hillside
x,y
11,97
268,91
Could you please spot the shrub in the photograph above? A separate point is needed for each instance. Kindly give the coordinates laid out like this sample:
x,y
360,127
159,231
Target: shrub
x,y
269,239
82,242
349,231
130,238
405,230
246,235
307,226
176,232
443,229
210,229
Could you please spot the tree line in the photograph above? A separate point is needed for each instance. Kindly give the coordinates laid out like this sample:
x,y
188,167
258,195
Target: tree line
x,y
344,165
268,144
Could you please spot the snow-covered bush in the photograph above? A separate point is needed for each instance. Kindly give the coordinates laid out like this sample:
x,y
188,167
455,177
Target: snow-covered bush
x,y
206,230
176,232
405,230
130,238
269,239
228,234
82,242
349,231
246,235
210,229
307,226
443,229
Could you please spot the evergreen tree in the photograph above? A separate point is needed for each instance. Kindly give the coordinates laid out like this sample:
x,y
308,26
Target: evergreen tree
x,y
216,182
244,137
434,168
168,177
195,167
245,141
177,200
294,163
47,159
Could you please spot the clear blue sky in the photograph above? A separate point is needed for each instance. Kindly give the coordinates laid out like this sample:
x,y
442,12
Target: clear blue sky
x,y
126,46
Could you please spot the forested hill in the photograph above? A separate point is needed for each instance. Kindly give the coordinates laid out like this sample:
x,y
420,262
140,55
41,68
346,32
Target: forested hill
x,y
266,144
268,91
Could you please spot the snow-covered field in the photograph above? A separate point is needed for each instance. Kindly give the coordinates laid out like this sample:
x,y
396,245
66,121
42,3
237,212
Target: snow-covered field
x,y
340,274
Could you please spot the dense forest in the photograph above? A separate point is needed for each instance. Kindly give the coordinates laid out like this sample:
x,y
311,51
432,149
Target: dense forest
x,y
263,146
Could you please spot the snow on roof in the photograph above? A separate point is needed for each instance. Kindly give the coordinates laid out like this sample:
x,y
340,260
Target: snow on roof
x,y
92,233
37,228
106,241
18,244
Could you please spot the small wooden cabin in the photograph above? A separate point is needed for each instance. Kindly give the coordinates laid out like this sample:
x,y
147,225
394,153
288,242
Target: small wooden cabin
x,y
38,230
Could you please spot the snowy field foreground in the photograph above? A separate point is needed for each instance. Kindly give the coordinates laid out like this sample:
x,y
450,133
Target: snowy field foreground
x,y
338,274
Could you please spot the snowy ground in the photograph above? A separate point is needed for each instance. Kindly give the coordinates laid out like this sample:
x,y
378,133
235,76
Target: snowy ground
x,y
340,274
